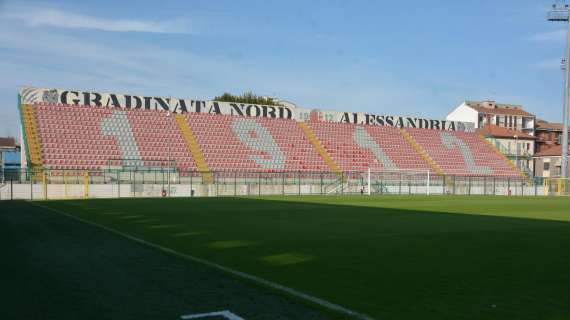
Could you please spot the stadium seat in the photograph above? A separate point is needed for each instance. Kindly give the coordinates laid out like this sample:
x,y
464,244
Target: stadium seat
x,y
232,143
358,147
462,153
92,138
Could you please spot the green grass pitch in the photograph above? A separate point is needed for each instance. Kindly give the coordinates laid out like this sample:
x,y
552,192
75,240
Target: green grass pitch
x,y
390,257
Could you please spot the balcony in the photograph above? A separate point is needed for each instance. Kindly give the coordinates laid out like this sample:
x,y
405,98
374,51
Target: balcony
x,y
511,154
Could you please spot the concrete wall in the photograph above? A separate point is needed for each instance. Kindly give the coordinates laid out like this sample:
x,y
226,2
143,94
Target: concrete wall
x,y
554,163
465,114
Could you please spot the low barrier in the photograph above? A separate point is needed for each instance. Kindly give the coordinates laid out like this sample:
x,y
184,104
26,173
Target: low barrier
x,y
61,184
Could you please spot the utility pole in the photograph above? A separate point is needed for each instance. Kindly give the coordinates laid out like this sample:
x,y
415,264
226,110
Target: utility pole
x,y
562,13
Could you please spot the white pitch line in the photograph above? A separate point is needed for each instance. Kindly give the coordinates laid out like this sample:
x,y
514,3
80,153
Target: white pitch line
x,y
112,213
145,221
295,293
186,234
161,226
226,314
130,217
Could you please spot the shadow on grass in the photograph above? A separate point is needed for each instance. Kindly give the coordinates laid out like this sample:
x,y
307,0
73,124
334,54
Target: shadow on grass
x,y
380,260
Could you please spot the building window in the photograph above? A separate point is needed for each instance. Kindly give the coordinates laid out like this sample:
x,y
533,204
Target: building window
x,y
546,166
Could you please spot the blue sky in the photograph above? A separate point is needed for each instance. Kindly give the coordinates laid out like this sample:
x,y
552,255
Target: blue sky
x,y
388,57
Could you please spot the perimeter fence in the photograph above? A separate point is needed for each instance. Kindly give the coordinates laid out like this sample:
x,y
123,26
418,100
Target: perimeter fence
x,y
164,182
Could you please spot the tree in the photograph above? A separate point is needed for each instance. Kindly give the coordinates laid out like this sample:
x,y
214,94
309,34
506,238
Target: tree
x,y
247,97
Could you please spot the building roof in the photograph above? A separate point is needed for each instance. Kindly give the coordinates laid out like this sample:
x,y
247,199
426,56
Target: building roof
x,y
500,132
550,126
553,151
7,142
491,107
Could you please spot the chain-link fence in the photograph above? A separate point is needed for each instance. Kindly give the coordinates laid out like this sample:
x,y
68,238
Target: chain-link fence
x,y
164,182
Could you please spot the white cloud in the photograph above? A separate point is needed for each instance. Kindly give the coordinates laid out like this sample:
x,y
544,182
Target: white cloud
x,y
556,35
66,60
37,17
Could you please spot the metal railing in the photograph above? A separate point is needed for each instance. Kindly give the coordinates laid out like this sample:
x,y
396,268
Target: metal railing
x,y
161,182
520,153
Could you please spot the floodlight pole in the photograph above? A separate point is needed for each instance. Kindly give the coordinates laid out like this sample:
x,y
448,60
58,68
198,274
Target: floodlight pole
x,y
564,165
562,13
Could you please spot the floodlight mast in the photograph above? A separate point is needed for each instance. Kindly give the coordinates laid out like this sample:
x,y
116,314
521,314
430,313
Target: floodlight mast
x,y
562,13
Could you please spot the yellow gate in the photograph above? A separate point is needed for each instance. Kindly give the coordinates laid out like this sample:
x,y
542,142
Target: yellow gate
x,y
557,186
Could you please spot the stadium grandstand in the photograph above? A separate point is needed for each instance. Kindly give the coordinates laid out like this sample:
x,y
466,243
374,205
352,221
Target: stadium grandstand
x,y
111,138
87,137
245,206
